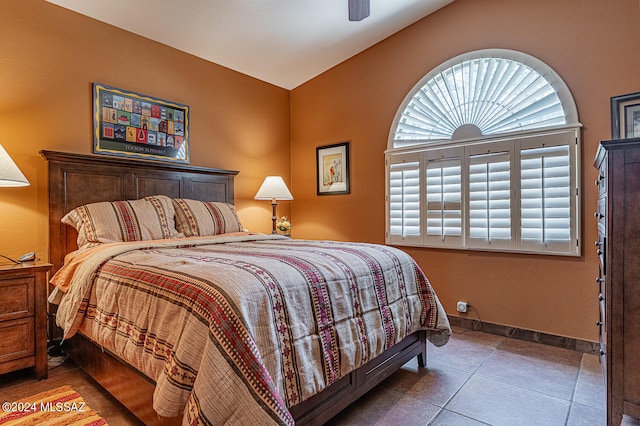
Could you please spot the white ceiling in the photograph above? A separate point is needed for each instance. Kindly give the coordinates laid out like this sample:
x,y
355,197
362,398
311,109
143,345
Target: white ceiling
x,y
283,42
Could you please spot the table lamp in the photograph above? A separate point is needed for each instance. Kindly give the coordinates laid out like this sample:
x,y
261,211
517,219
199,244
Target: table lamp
x,y
273,188
10,175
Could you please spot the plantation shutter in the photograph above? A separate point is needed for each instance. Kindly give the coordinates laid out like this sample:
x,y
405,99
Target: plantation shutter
x,y
547,197
484,154
495,94
444,202
490,200
404,199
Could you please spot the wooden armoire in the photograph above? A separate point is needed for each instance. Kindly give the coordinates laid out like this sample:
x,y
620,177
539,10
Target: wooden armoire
x,y
618,280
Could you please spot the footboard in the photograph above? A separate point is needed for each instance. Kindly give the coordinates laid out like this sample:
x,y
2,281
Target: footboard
x,y
318,409
135,391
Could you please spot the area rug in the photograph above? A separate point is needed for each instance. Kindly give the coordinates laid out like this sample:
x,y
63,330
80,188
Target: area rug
x,y
57,407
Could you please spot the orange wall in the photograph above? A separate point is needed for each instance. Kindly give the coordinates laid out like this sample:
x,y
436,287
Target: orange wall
x,y
592,44
48,61
51,56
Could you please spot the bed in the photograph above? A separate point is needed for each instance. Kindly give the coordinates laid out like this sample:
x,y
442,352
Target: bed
x,y
267,350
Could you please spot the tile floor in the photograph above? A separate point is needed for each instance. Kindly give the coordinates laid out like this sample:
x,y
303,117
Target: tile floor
x,y
476,379
480,378
484,379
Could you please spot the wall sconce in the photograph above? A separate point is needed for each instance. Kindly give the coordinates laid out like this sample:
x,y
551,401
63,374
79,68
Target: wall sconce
x,y
273,188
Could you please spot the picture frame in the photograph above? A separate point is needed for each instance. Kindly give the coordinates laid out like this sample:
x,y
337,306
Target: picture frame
x,y
332,169
625,116
129,124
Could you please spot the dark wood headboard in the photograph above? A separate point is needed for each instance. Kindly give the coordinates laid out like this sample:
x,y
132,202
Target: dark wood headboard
x,y
77,179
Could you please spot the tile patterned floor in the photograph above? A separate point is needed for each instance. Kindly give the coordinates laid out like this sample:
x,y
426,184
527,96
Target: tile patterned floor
x,y
480,379
476,379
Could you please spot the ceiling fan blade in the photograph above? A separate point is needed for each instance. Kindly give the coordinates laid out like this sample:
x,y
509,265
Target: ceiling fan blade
x,y
358,9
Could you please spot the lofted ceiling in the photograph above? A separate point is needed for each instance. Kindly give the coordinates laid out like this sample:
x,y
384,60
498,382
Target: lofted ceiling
x,y
282,42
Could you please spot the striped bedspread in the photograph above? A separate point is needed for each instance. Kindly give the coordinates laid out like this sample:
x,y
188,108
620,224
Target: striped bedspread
x,y
237,328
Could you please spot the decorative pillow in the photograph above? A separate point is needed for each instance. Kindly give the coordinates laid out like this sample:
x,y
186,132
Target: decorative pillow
x,y
150,218
203,218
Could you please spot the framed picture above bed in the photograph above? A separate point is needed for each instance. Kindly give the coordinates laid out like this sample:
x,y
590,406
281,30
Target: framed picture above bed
x,y
129,124
625,116
332,162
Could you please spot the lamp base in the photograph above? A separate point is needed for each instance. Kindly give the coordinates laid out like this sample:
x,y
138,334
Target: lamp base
x,y
274,217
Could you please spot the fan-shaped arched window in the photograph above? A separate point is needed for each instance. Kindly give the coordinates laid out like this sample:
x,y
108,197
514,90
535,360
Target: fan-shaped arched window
x,y
483,155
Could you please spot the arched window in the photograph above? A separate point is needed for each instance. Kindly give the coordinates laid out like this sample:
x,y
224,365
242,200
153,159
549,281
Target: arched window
x,y
483,154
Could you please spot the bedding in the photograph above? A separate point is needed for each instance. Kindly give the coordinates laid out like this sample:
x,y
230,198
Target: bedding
x,y
205,218
148,218
237,328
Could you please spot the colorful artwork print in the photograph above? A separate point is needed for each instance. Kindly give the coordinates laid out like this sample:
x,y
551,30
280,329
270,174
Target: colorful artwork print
x,y
333,169
135,125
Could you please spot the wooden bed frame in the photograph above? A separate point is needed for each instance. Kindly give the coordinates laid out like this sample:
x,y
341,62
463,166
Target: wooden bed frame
x,y
77,179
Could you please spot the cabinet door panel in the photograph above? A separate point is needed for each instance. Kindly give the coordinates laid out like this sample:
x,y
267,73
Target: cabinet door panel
x,y
17,339
631,282
17,298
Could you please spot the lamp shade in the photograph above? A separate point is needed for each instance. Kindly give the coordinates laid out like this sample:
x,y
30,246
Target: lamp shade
x,y
10,174
273,188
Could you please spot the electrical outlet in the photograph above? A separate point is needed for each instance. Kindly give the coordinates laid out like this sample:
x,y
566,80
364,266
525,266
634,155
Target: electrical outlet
x,y
462,306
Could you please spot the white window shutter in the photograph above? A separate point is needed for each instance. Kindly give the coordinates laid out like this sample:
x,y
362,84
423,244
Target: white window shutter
x,y
444,199
490,200
548,193
404,200
495,94
484,154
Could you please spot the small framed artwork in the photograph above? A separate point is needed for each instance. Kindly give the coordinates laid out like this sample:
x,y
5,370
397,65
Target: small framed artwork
x,y
129,124
332,162
625,116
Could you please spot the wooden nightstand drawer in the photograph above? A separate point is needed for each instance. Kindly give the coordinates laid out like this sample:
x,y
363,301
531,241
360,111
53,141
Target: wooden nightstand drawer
x,y
23,317
17,299
18,339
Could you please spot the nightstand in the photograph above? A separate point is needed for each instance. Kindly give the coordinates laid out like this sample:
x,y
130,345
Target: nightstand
x,y
23,317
